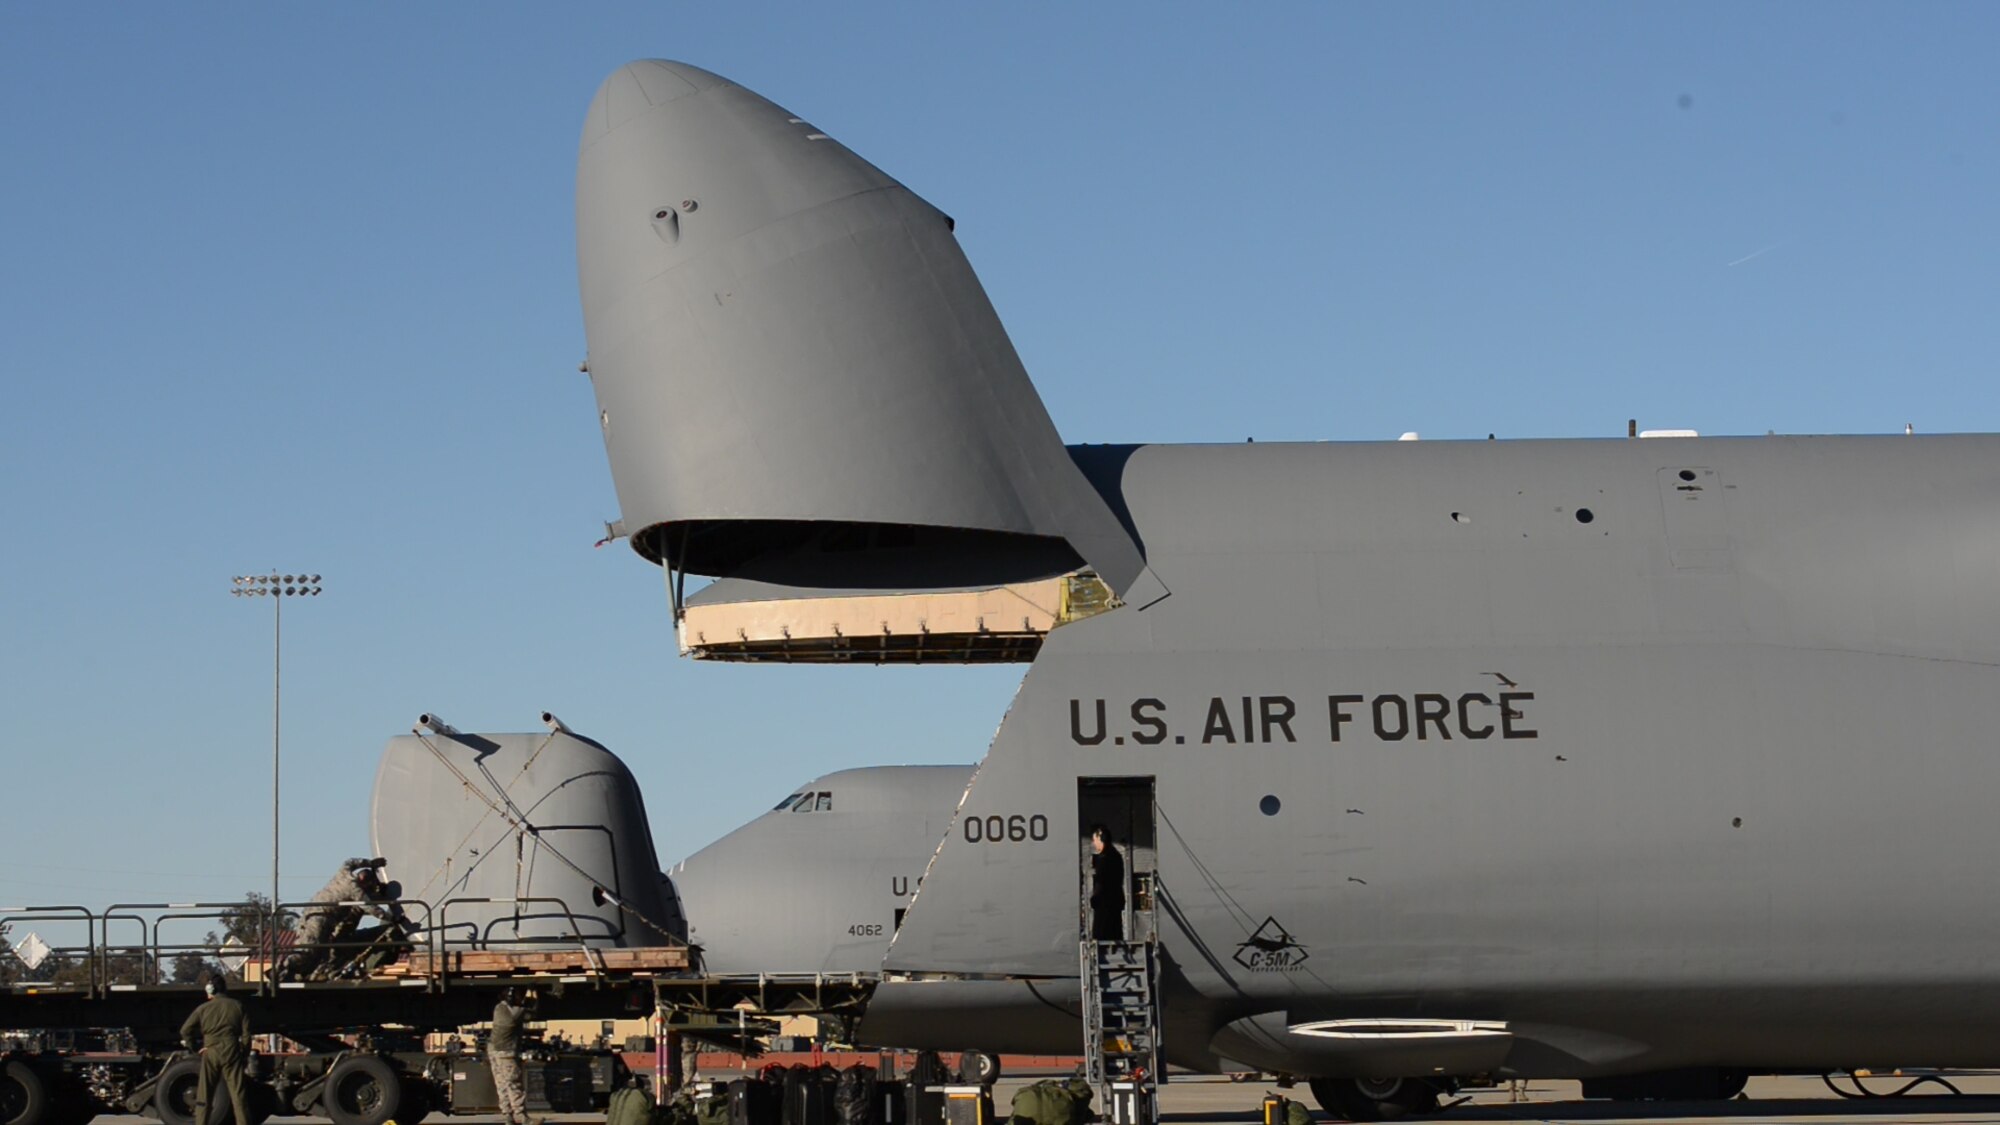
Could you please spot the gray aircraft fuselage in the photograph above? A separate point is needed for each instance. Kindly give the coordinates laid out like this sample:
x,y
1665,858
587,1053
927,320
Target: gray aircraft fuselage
x,y
1565,757
1664,752
818,884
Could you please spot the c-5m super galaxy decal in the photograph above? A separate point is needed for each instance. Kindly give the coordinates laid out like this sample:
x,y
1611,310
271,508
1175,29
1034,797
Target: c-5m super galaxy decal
x,y
1271,949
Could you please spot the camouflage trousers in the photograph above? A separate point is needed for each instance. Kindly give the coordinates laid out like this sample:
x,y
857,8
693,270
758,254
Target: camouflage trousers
x,y
512,1090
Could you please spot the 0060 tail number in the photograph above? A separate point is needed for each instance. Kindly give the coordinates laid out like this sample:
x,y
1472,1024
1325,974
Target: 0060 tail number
x,y
997,829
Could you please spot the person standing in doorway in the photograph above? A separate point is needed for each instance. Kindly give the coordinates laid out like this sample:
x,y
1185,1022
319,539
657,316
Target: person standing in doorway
x,y
503,1053
1107,887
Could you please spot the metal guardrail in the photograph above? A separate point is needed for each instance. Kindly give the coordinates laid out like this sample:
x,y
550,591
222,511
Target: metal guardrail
x,y
43,916
147,959
484,939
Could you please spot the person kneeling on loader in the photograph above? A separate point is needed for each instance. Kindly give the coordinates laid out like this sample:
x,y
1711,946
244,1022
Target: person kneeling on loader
x,y
330,932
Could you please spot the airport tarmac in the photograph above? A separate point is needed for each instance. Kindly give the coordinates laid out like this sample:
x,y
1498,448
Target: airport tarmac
x,y
1198,1101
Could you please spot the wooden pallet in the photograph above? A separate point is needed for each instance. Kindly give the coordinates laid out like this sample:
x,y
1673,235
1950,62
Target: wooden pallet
x,y
987,625
539,962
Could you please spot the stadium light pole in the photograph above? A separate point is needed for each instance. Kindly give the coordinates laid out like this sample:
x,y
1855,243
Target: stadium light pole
x,y
277,587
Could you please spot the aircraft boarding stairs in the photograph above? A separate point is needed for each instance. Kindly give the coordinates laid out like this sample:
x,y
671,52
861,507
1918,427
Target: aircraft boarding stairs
x,y
1121,1016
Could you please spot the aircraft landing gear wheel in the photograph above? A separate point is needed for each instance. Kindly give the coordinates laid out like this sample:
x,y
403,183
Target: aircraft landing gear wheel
x,y
362,1090
1376,1099
980,1068
24,1097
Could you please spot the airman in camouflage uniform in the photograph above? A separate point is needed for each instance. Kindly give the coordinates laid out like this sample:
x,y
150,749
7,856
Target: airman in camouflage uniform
x,y
503,1053
333,919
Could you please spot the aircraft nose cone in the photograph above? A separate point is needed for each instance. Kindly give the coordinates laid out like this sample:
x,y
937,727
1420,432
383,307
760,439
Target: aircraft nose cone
x,y
640,86
664,140
780,334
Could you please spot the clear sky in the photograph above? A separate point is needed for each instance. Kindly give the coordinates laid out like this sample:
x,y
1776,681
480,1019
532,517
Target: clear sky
x,y
293,286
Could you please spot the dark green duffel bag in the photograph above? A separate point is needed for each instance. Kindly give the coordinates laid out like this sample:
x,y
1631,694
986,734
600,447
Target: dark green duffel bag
x,y
629,1106
1050,1102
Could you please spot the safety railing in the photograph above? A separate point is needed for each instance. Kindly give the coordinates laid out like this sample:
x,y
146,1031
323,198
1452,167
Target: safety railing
x,y
482,937
132,945
68,965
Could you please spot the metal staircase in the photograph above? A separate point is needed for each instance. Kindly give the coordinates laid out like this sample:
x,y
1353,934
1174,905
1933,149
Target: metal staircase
x,y
1121,1018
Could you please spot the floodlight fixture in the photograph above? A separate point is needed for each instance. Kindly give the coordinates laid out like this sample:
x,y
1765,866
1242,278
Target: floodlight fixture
x,y
276,587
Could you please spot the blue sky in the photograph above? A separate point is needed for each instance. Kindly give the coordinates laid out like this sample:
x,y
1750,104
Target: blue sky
x,y
293,287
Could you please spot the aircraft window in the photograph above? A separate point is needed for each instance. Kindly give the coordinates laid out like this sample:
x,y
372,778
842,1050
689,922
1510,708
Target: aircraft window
x,y
805,803
825,803
787,802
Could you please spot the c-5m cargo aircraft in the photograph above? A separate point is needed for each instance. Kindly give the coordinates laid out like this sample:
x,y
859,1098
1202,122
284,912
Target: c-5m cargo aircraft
x,y
821,882
1523,758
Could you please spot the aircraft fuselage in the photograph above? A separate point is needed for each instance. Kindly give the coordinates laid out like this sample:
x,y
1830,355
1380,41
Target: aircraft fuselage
x,y
1662,752
1570,757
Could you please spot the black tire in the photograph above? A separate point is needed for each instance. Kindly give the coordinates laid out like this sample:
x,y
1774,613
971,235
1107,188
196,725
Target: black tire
x,y
362,1090
24,1094
979,1068
174,1094
1732,1082
180,1085
1376,1099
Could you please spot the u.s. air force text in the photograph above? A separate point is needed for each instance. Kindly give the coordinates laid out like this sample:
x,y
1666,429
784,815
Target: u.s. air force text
x,y
1271,719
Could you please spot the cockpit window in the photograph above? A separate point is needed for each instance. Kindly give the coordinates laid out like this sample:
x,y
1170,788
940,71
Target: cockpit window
x,y
787,802
807,801
825,803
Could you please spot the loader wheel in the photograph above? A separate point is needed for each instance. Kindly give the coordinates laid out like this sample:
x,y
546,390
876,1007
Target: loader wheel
x,y
980,1068
1376,1099
24,1095
362,1090
174,1095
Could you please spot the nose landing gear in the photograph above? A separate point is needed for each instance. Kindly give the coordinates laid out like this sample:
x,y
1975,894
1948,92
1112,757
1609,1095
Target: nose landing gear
x,y
1376,1099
